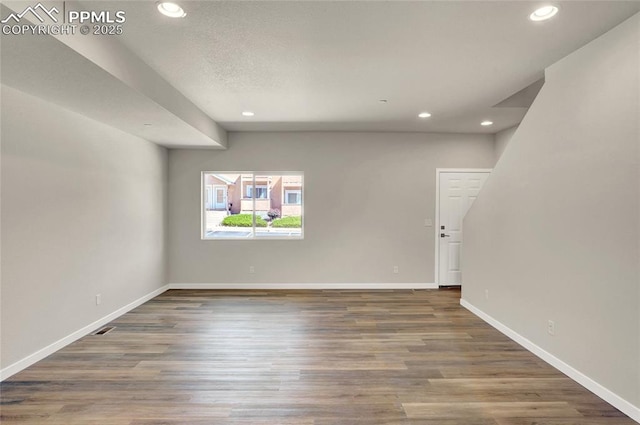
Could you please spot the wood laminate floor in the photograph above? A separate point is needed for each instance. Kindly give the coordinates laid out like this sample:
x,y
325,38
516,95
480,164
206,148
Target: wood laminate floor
x,y
299,358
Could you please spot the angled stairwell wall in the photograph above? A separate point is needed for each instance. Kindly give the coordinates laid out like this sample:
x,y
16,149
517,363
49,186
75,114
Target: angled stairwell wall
x,y
555,233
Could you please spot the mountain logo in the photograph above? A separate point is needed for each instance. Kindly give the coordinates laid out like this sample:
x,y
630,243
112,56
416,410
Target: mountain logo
x,y
34,11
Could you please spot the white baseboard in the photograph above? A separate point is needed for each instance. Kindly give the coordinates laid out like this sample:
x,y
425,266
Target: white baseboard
x,y
609,396
363,286
52,348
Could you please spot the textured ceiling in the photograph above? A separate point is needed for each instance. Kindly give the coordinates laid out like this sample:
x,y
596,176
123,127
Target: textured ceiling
x,y
326,65
306,65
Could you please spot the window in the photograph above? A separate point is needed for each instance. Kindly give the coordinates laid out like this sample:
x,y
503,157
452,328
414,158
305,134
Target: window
x,y
261,192
293,197
249,205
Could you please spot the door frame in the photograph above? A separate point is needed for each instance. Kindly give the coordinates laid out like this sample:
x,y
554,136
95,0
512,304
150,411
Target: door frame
x,y
207,188
437,212
215,196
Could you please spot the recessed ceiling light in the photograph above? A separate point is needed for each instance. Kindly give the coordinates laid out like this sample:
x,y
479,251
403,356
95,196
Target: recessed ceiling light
x,y
424,115
486,123
543,13
148,125
247,114
170,9
383,101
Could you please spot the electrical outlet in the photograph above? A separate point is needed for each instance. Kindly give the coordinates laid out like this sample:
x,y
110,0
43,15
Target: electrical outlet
x,y
252,269
551,327
98,299
396,269
486,294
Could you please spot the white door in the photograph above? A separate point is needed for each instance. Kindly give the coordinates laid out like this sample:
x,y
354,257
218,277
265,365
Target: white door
x,y
208,199
457,191
220,200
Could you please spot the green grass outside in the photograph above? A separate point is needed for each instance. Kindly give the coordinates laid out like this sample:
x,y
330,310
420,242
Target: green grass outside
x,y
243,220
290,222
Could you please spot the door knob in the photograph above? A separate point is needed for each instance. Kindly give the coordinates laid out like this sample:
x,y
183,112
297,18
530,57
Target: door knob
x,y
442,235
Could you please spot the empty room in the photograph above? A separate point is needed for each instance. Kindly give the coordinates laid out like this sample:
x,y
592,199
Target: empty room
x,y
320,212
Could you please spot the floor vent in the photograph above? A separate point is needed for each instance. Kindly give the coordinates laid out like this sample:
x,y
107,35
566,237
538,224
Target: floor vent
x,y
104,330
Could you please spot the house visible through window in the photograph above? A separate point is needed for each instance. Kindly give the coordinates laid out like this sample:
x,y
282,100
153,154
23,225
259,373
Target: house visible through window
x,y
248,205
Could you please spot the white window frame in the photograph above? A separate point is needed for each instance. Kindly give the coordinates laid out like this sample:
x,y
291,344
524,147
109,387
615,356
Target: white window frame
x,y
286,196
203,219
251,188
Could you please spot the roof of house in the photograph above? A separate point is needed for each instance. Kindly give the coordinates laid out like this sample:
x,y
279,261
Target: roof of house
x,y
227,178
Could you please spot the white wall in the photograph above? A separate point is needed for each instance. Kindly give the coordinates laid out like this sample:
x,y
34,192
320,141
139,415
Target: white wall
x,y
554,233
83,212
501,140
366,198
